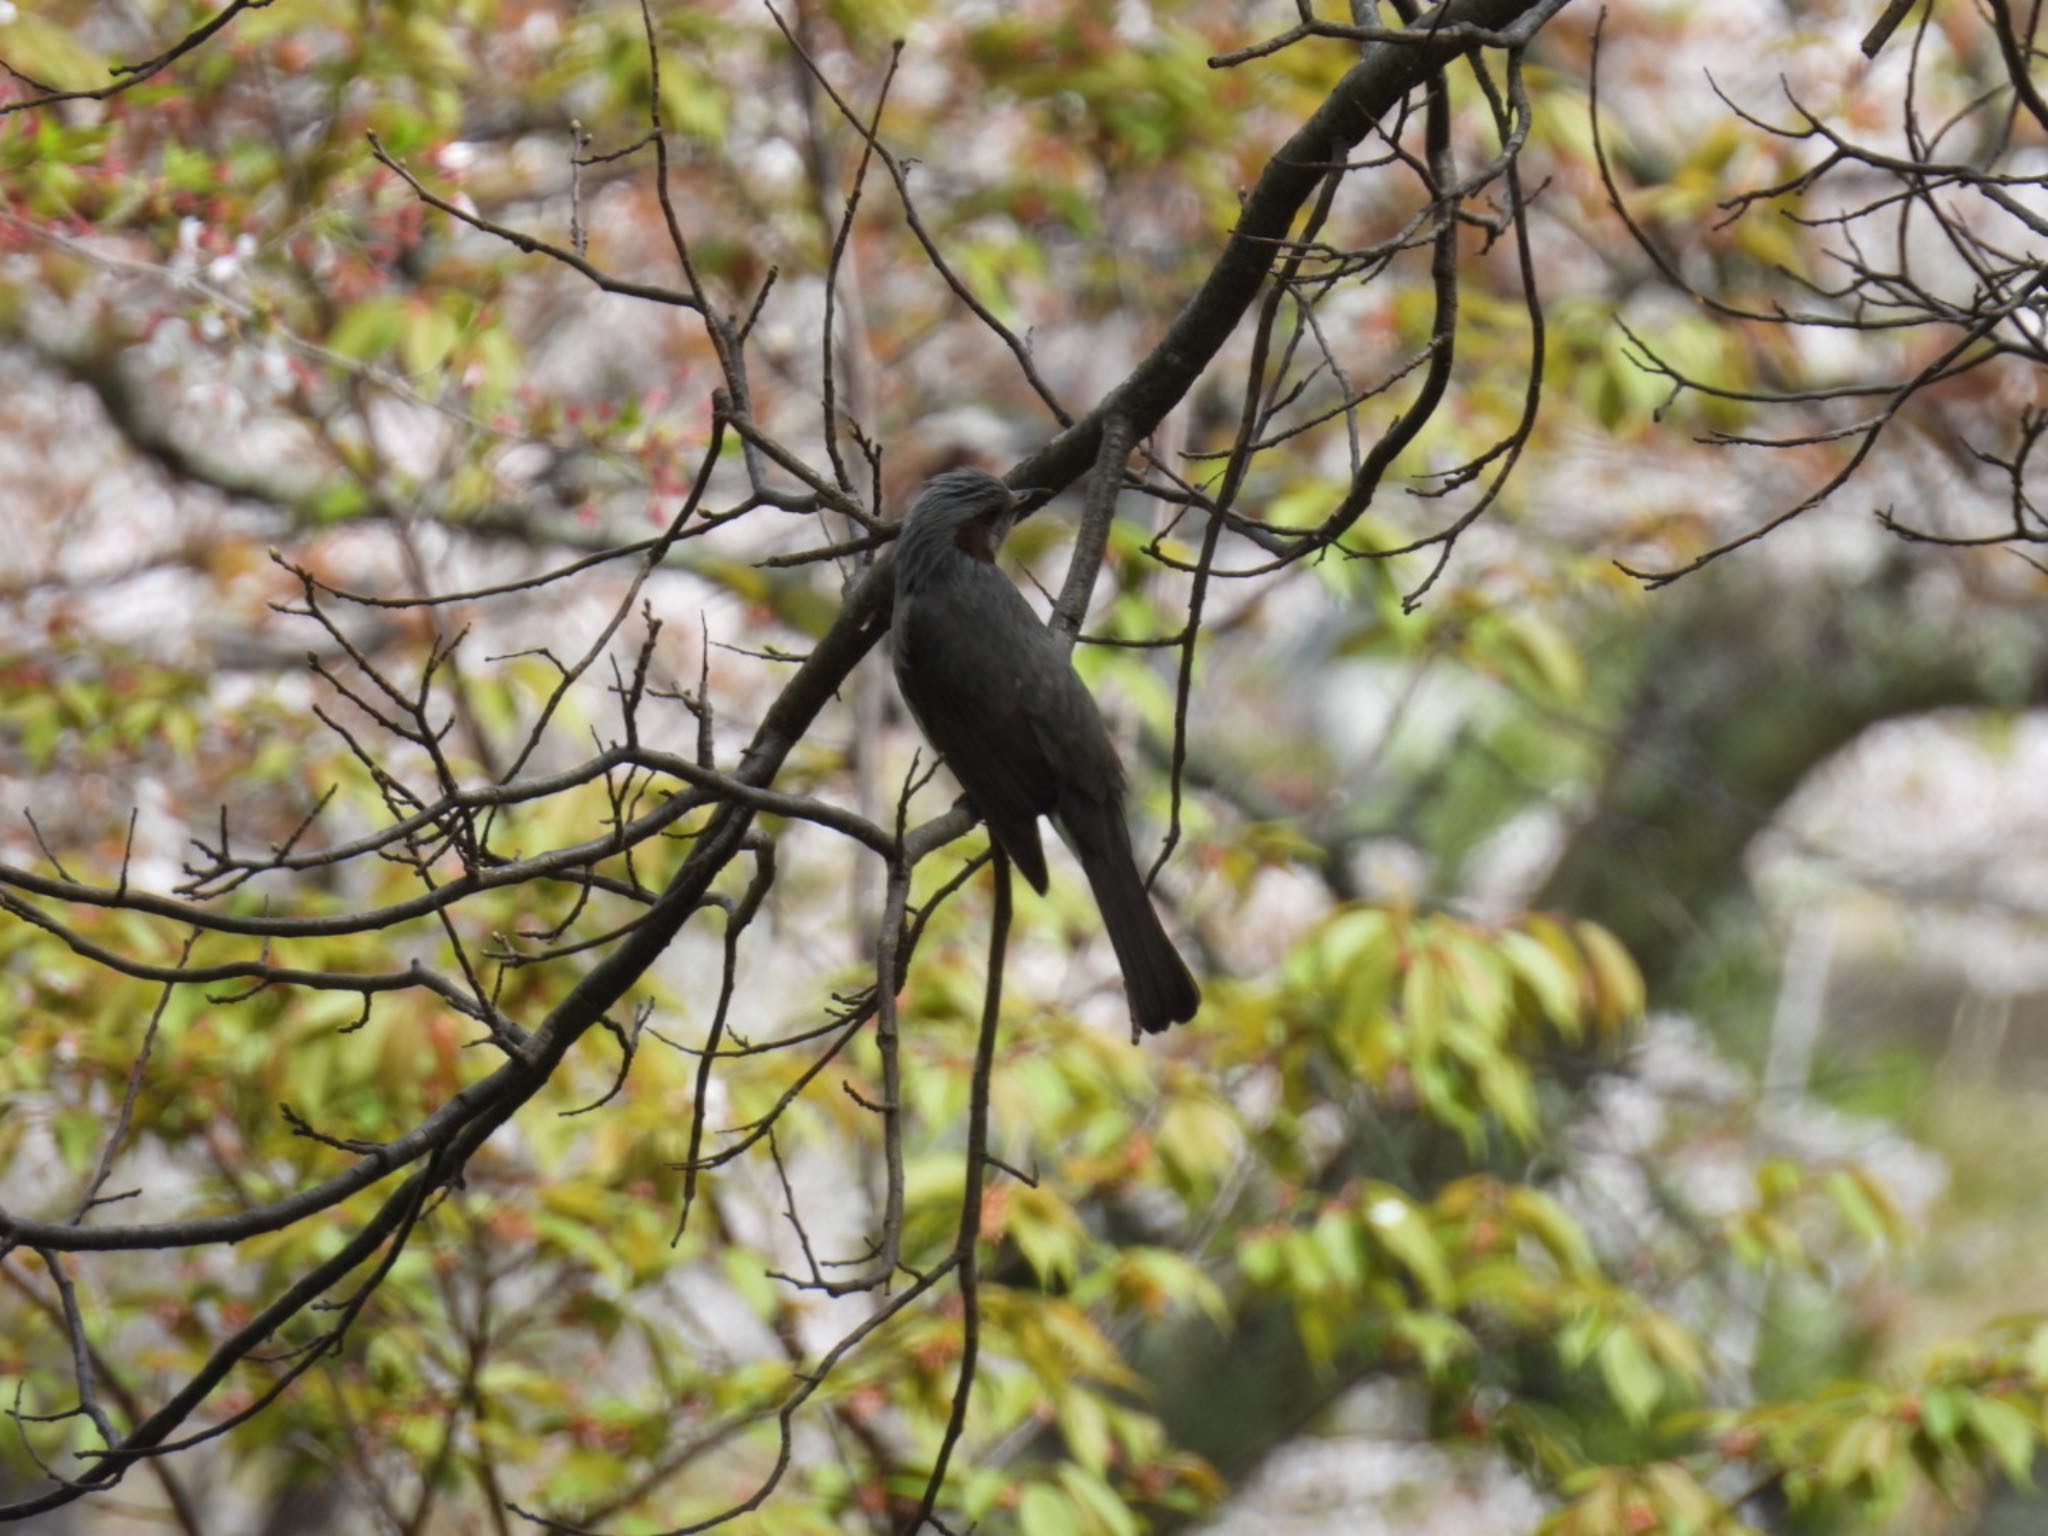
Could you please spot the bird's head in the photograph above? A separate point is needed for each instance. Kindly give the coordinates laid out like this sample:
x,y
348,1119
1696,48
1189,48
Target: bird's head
x,y
968,511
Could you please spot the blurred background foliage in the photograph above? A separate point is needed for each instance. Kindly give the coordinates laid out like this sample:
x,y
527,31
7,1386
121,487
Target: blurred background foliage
x,y
1599,1121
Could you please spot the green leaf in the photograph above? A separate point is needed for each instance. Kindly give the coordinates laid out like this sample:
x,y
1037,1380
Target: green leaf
x,y
1438,1341
1043,1512
1505,1087
1085,1424
1631,1375
1679,1496
1336,1238
1353,935
50,52
1399,1227
339,500
1095,1496
1262,1259
1552,1226
1366,991
1425,1004
78,1137
574,1237
744,1270
1942,1411
1199,1138
1541,656
1860,1450
1863,1207
430,335
369,328
1178,1280
1549,980
1478,978
1048,1234
2010,1434
1615,977
1672,1345
693,102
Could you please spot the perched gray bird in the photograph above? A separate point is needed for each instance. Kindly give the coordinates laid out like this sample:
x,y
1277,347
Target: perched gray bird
x,y
994,693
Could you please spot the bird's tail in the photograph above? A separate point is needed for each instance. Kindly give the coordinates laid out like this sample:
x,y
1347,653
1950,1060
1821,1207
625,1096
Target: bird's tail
x,y
1156,979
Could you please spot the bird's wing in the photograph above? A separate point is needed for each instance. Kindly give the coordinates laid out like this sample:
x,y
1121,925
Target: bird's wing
x,y
956,665
1069,731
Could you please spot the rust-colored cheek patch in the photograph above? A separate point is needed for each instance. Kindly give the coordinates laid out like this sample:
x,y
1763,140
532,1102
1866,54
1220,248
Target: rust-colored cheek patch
x,y
972,537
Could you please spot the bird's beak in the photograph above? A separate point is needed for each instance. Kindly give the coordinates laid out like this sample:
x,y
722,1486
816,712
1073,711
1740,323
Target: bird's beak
x,y
1030,498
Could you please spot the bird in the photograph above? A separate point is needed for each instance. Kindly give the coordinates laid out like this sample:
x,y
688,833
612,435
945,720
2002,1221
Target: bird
x,y
994,693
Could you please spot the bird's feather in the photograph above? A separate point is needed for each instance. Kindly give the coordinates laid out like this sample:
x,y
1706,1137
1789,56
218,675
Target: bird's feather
x,y
994,692
1156,979
983,730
